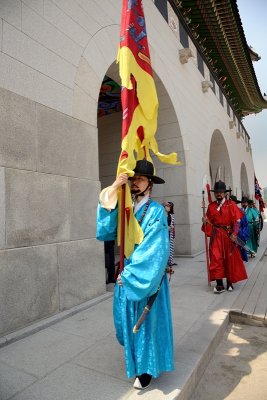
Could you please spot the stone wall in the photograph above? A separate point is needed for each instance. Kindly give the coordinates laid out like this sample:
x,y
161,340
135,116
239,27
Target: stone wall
x,y
49,257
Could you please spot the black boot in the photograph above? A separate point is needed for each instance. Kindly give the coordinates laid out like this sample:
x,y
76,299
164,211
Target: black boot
x,y
219,288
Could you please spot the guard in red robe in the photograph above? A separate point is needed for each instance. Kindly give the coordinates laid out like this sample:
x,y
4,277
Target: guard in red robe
x,y
221,225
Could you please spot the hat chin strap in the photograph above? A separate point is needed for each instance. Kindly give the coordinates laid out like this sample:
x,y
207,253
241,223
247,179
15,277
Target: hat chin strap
x,y
136,193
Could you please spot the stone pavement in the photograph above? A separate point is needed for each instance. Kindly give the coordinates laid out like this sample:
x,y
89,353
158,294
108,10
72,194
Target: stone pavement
x,y
250,306
75,356
238,368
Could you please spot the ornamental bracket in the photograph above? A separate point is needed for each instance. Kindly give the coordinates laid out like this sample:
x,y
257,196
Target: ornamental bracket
x,y
185,54
206,85
232,124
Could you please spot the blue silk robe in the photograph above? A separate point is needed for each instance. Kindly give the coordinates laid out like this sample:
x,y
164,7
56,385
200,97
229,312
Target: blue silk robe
x,y
253,223
243,234
150,350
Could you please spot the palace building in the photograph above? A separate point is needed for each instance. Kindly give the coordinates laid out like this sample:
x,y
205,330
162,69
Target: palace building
x,y
60,134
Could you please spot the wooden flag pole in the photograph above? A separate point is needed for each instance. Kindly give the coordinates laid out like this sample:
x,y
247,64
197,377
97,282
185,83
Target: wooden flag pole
x,y
122,230
206,237
204,183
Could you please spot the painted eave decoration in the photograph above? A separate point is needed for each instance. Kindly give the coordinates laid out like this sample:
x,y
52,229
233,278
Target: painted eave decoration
x,y
217,28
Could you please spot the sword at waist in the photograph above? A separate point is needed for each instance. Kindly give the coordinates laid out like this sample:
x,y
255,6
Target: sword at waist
x,y
239,241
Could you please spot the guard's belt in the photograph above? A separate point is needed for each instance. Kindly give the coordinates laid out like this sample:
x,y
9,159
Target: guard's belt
x,y
222,226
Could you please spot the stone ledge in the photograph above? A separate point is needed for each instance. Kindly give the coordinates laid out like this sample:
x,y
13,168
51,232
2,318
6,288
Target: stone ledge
x,y
45,323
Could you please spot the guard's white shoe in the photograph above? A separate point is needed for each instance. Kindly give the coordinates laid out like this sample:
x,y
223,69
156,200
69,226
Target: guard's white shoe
x,y
142,382
137,384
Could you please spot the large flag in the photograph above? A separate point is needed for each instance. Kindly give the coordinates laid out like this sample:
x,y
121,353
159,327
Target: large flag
x,y
139,108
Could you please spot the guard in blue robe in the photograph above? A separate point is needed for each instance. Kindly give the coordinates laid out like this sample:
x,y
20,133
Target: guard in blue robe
x,y
150,350
253,223
243,232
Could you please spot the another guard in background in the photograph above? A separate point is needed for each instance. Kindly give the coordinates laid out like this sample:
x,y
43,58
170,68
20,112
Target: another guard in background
x,y
169,208
222,225
243,232
253,223
251,204
109,246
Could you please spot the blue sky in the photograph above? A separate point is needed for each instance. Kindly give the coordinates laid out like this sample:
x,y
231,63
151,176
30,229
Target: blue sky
x,y
254,20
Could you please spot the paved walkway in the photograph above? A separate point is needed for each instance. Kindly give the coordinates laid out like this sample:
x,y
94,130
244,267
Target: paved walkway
x,y
251,305
238,368
78,358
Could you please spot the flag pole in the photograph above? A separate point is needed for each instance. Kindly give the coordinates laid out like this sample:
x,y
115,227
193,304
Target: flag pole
x,y
122,230
206,237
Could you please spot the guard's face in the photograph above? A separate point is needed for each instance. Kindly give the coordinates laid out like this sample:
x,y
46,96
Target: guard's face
x,y
244,204
138,184
219,195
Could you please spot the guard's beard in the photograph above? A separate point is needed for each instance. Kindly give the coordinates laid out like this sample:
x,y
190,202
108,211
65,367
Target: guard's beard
x,y
136,192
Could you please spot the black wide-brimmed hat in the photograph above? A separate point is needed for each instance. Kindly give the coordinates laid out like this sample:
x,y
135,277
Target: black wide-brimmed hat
x,y
146,168
234,198
220,186
244,199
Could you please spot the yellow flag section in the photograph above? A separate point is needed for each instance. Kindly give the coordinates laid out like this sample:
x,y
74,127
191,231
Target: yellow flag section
x,y
133,233
133,146
145,115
